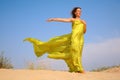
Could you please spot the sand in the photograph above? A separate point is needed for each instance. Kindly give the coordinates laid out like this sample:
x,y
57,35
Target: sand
x,y
11,74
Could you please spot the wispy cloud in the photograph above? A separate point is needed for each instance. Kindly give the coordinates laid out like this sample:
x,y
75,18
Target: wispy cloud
x,y
105,53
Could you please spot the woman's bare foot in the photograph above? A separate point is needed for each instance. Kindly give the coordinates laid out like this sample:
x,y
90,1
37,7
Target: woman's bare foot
x,y
80,72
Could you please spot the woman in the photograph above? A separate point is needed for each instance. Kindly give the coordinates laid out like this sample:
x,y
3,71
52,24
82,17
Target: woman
x,y
67,47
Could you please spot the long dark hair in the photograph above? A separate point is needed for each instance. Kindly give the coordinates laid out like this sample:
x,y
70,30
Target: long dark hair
x,y
73,11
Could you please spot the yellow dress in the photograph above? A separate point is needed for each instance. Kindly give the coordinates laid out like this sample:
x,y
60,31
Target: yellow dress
x,y
67,47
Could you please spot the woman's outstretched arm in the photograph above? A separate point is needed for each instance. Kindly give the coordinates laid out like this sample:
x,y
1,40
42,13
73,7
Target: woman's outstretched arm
x,y
60,19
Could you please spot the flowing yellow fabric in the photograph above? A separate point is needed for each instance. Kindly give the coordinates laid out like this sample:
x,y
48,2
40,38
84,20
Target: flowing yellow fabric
x,y
67,47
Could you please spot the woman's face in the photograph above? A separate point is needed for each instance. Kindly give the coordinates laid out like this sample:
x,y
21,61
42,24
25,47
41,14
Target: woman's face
x,y
78,12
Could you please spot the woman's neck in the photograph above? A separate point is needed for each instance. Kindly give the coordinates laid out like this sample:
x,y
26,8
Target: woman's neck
x,y
77,17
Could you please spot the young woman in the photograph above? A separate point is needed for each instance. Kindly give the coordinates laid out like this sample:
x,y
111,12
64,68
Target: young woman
x,y
67,47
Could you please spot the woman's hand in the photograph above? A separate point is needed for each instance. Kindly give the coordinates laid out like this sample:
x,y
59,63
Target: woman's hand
x,y
50,20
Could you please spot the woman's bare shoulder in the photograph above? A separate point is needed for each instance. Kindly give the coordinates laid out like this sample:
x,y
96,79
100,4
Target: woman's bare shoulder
x,y
83,21
72,19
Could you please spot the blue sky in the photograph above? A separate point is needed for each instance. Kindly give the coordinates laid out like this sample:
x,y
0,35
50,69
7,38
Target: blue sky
x,y
20,19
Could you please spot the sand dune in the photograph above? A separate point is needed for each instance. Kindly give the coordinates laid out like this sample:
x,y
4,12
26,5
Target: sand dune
x,y
11,74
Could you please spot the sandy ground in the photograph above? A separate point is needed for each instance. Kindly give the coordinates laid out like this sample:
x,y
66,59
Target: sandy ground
x,y
11,74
